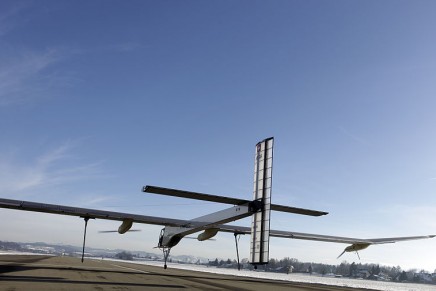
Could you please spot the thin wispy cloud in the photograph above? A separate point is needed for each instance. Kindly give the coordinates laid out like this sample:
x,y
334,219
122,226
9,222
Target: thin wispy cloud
x,y
53,167
10,17
354,137
22,75
28,74
34,75
97,200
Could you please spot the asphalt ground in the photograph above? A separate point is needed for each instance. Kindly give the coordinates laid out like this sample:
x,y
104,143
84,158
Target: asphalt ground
x,y
31,272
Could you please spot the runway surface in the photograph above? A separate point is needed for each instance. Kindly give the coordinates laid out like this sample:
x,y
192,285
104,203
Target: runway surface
x,y
32,272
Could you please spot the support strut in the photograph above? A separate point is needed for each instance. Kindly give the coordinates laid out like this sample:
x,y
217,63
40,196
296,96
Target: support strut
x,y
237,249
357,253
166,253
84,237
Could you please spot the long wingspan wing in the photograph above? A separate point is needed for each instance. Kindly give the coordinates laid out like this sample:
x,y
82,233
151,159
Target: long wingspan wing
x,y
376,241
319,237
225,200
90,213
119,216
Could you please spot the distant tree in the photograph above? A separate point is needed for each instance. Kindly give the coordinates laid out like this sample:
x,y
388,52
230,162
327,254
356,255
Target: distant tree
x,y
403,276
10,246
299,267
353,270
394,272
343,269
124,256
375,270
324,270
272,264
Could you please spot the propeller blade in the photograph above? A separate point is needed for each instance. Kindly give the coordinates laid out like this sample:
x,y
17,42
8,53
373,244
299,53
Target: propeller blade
x,y
341,254
111,231
192,237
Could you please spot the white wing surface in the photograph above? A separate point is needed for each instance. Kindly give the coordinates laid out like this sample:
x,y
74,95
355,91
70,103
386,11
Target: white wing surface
x,y
119,216
324,238
90,213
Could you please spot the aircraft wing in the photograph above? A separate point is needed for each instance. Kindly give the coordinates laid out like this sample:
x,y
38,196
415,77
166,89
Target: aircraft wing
x,y
119,216
90,213
319,237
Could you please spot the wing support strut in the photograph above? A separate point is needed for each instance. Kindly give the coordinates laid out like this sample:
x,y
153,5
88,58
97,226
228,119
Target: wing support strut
x,y
237,248
84,237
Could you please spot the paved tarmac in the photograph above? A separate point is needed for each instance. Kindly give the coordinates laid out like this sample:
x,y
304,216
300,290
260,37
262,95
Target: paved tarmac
x,y
32,272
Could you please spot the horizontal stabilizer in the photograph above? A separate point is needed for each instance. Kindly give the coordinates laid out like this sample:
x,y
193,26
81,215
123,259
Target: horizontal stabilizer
x,y
193,195
283,208
225,200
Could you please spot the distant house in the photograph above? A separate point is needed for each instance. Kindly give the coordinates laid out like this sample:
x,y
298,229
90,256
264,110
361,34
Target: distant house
x,y
423,277
362,273
379,277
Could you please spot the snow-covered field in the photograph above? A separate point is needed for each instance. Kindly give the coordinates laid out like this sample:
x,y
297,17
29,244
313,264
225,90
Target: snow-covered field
x,y
354,283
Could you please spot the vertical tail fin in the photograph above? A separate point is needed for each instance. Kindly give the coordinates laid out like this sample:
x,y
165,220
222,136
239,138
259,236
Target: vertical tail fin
x,y
259,246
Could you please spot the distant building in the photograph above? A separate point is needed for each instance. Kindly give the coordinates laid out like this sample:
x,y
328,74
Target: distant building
x,y
362,273
423,277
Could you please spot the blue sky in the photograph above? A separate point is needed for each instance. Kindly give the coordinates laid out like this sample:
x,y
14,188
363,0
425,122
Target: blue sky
x,y
100,98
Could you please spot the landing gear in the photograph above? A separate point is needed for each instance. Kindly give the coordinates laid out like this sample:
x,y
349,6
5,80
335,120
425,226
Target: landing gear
x,y
237,249
165,250
84,237
166,253
357,253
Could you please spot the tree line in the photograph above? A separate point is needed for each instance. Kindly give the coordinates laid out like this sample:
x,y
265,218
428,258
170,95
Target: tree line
x,y
344,269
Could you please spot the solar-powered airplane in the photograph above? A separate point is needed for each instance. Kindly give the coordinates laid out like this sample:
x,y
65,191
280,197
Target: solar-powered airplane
x,y
209,225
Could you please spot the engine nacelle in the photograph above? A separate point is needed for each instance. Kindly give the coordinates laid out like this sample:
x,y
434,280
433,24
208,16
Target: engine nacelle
x,y
207,234
354,248
125,226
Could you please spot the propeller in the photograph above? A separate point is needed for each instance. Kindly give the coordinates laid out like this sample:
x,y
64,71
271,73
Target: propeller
x,y
192,237
111,231
355,248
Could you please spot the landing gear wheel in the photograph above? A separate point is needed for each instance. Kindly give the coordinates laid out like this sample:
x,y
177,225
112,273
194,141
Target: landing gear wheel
x,y
166,253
